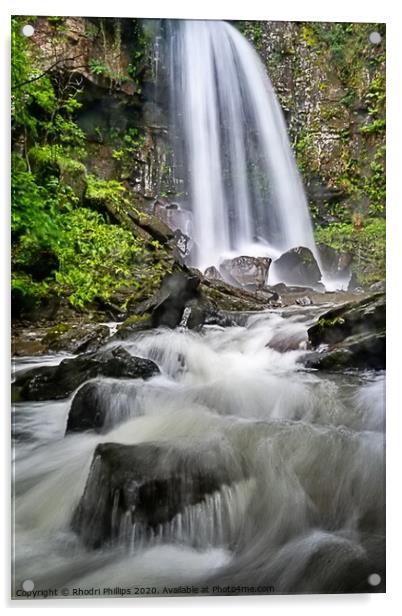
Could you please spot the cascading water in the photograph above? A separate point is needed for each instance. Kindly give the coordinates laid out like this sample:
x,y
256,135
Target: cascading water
x,y
299,457
231,147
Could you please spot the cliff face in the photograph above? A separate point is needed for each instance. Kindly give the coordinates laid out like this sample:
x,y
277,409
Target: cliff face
x,y
104,116
110,63
330,80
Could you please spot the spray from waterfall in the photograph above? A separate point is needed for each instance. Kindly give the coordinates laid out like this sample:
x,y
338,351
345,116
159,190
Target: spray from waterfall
x,y
231,147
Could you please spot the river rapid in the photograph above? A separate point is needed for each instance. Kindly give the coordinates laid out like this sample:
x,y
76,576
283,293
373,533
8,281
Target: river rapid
x,y
308,514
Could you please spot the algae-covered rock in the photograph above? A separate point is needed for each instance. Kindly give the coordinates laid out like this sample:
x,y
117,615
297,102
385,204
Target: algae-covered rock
x,y
352,336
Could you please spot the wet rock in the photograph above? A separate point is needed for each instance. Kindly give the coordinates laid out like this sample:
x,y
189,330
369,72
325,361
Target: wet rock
x,y
356,317
183,245
298,266
146,485
378,286
354,335
226,297
100,405
88,410
196,311
75,338
58,382
135,324
304,301
363,351
173,215
246,271
353,282
176,291
212,273
283,342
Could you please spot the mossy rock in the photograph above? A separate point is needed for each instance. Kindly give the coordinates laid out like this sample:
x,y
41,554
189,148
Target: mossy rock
x,y
366,315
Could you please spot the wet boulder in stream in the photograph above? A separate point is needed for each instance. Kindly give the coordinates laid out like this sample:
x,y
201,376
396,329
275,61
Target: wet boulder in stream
x,y
298,266
176,291
141,488
246,271
101,404
350,336
58,382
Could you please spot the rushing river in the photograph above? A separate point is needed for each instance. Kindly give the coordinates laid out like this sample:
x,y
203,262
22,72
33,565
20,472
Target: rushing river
x,y
308,517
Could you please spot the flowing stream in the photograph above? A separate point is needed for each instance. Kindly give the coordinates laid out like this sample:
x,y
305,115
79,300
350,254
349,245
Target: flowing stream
x,y
308,514
231,147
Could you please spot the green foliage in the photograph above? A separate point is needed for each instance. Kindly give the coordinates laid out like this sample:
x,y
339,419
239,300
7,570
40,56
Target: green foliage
x,y
374,127
130,145
97,67
105,190
367,246
253,31
140,57
59,246
96,258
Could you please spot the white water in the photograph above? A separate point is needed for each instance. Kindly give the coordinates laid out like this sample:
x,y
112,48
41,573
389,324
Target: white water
x,y
231,139
309,517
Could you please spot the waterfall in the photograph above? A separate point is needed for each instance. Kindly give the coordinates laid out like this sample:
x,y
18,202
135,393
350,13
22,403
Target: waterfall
x,y
231,147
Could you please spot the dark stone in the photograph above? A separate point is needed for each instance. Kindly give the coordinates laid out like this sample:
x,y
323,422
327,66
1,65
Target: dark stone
x,y
57,382
88,410
76,338
150,483
283,342
354,334
195,311
100,405
356,317
363,351
132,326
176,290
246,271
298,266
182,246
225,297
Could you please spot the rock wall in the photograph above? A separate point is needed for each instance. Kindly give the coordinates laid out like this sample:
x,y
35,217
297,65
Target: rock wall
x,y
110,61
330,80
329,77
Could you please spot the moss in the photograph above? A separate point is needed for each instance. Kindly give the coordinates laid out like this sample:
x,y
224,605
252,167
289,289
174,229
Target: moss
x,y
134,319
367,246
324,323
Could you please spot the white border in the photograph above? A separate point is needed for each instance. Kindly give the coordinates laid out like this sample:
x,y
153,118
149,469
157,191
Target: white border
x,y
341,10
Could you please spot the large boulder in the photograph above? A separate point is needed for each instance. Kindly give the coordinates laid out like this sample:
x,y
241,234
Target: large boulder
x,y
246,271
351,335
212,273
176,291
226,297
145,485
58,382
80,338
298,266
100,405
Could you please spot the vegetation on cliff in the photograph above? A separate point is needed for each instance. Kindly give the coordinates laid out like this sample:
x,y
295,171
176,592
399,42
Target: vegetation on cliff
x,y
60,246
330,79
84,159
